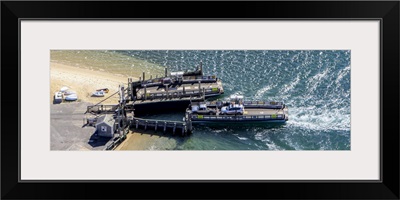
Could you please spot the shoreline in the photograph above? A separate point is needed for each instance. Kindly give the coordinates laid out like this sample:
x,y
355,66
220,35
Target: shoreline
x,y
146,140
85,81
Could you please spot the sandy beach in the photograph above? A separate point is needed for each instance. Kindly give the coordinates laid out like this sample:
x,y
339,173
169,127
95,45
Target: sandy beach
x,y
149,140
84,81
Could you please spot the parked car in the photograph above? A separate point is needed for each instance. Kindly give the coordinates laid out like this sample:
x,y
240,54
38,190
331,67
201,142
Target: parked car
x,y
69,92
100,93
58,97
72,97
166,81
202,109
106,90
232,109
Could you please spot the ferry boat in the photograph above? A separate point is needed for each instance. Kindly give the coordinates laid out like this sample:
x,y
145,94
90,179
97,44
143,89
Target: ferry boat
x,y
238,111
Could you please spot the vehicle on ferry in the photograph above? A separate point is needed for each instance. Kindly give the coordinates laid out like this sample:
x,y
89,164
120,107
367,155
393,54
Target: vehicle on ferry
x,y
232,109
235,110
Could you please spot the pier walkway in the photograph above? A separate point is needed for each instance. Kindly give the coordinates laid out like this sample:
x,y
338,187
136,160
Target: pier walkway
x,y
183,128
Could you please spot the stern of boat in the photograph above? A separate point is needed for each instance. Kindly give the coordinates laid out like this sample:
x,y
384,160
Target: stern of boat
x,y
286,112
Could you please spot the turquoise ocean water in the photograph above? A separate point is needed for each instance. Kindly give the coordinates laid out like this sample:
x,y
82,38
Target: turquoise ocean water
x,y
314,84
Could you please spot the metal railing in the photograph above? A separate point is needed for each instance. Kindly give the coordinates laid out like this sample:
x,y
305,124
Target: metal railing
x,y
237,117
185,79
163,125
178,94
250,104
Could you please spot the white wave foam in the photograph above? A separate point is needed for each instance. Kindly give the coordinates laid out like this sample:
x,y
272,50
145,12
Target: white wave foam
x,y
272,146
320,118
260,93
242,138
314,81
342,73
289,87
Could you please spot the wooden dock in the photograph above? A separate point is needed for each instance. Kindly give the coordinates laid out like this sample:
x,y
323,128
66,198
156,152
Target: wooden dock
x,y
101,109
175,127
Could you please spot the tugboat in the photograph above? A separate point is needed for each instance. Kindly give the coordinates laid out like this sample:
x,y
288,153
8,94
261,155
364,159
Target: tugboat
x,y
238,111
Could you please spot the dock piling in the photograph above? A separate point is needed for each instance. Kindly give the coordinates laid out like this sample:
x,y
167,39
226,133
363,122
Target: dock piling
x,y
145,91
199,86
166,90
201,68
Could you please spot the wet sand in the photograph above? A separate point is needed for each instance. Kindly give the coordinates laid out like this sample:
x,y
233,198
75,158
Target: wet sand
x,y
147,141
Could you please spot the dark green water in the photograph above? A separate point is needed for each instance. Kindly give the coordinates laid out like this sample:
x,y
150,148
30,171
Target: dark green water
x,y
314,84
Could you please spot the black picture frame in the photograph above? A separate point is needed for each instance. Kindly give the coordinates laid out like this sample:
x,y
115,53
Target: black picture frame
x,y
386,11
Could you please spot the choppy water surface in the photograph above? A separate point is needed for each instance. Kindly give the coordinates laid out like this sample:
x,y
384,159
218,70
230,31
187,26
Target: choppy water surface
x,y
315,85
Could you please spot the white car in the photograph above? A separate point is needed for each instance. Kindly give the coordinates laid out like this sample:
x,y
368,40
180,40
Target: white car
x,y
58,96
72,97
100,93
232,110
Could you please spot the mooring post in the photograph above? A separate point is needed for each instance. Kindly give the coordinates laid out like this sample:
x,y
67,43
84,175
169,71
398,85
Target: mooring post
x,y
174,128
155,129
137,124
145,91
121,94
151,77
143,76
165,126
201,68
166,89
166,71
145,125
183,90
199,86
189,122
129,89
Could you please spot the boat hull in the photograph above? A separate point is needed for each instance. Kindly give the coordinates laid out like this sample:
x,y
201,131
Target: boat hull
x,y
238,122
264,124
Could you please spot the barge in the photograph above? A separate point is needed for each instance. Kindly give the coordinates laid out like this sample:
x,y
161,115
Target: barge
x,y
238,111
174,91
